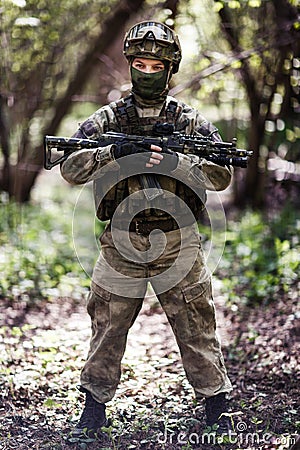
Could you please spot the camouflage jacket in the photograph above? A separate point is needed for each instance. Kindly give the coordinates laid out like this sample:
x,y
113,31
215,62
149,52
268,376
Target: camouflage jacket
x,y
99,165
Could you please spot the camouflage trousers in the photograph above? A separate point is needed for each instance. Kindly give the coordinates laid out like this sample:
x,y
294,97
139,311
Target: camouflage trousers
x,y
118,288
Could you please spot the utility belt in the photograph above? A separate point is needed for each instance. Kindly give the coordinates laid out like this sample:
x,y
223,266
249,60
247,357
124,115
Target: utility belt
x,y
144,227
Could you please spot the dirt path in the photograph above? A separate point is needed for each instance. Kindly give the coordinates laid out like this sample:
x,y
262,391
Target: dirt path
x,y
43,349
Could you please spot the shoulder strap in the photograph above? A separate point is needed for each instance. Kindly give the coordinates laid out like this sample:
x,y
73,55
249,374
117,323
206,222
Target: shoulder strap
x,y
126,114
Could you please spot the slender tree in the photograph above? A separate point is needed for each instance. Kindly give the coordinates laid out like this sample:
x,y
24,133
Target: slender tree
x,y
272,27
43,79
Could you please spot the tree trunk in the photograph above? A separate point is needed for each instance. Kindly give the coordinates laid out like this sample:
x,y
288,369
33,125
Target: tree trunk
x,y
282,41
254,189
24,174
4,142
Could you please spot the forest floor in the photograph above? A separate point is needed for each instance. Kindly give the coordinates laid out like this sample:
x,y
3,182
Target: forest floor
x,y
42,349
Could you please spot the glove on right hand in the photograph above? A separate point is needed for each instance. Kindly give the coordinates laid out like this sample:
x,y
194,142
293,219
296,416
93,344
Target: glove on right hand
x,y
142,156
129,148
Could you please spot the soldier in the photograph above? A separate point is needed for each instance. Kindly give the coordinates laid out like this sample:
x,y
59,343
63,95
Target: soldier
x,y
137,198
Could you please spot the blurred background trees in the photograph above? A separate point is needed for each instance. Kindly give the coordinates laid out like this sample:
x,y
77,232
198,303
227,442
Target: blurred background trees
x,y
50,50
60,61
62,58
270,77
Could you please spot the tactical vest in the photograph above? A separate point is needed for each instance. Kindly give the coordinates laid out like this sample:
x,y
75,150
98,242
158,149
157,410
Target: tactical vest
x,y
129,122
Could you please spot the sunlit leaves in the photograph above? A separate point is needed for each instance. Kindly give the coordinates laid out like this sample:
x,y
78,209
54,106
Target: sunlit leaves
x,y
234,4
218,6
255,61
291,135
254,3
236,65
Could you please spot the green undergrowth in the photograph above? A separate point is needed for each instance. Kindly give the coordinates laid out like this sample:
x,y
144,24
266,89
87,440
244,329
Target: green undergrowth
x,y
261,256
39,255
49,247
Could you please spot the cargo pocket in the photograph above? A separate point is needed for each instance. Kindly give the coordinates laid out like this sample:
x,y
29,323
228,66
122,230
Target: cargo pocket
x,y
196,290
98,307
112,312
200,310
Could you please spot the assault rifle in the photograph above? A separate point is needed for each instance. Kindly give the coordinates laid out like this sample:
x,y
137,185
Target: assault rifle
x,y
221,153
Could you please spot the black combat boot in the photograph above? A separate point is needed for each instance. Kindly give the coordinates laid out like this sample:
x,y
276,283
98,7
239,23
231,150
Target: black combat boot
x,y
216,407
93,417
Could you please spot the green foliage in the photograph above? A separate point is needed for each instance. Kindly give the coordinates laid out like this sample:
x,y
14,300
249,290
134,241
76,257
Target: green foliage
x,y
43,43
38,257
261,258
35,29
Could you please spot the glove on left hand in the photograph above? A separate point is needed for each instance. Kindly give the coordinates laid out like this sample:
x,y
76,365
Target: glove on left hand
x,y
169,162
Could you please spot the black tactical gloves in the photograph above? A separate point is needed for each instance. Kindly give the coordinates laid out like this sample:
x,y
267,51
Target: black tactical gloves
x,y
129,148
167,164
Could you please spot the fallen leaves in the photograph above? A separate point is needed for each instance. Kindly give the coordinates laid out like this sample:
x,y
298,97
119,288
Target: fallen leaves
x,y
42,355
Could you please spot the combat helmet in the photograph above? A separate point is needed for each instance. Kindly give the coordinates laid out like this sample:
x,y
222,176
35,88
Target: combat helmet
x,y
153,40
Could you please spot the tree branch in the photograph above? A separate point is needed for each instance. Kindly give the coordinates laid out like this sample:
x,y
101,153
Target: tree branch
x,y
108,34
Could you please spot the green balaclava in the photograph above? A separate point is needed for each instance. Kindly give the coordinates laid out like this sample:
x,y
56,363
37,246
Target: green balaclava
x,y
150,86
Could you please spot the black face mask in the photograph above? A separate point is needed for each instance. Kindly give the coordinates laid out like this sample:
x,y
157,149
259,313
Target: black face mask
x,y
149,85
